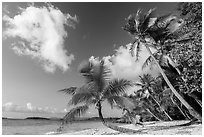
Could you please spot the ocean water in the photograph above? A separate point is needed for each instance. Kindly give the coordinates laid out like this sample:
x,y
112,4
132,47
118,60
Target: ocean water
x,y
41,127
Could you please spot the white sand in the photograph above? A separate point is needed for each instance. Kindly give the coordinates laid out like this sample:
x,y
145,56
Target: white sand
x,y
149,128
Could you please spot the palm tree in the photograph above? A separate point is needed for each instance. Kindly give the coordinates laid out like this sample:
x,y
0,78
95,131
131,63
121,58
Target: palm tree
x,y
147,84
141,103
152,32
97,89
129,106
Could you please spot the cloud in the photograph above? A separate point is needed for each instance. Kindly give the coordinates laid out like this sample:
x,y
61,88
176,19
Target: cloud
x,y
123,65
9,106
41,32
29,108
64,110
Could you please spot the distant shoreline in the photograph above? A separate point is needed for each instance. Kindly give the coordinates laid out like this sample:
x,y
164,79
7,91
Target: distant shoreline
x,y
60,119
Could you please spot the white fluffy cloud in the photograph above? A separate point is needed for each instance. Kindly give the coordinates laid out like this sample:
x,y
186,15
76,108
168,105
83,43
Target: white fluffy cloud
x,y
29,108
42,32
123,65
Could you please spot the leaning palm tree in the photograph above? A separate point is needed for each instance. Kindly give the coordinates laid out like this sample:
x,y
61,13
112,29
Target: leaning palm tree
x,y
147,83
152,32
143,104
97,89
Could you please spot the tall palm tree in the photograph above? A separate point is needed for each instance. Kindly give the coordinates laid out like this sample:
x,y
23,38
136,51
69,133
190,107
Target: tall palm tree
x,y
97,89
147,84
150,31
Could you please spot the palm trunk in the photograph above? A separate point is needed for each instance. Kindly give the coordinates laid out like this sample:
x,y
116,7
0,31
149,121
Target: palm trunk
x,y
193,96
161,108
179,108
190,109
196,99
100,115
116,128
148,110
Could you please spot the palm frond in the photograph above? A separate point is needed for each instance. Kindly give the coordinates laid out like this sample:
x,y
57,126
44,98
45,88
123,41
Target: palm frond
x,y
106,72
116,87
138,93
82,97
149,60
159,28
147,80
84,94
85,67
138,20
135,49
92,101
152,45
85,70
147,21
121,102
133,23
139,23
138,51
165,27
142,80
70,91
101,75
75,112
138,84
98,73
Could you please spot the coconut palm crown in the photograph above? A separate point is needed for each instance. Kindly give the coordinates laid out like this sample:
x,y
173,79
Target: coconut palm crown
x,y
159,28
98,88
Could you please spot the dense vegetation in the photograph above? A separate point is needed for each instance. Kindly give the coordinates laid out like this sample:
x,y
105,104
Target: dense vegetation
x,y
188,54
177,39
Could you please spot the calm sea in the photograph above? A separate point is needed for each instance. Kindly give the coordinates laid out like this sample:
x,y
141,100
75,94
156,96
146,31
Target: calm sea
x,y
40,127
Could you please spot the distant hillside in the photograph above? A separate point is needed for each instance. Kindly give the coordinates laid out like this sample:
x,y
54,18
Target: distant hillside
x,y
55,118
97,119
38,118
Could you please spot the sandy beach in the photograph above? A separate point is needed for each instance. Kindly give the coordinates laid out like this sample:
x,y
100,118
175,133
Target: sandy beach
x,y
149,128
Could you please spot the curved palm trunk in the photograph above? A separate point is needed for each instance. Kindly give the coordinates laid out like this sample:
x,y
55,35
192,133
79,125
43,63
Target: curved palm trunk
x,y
148,110
190,109
100,113
116,128
161,108
196,99
179,108
193,96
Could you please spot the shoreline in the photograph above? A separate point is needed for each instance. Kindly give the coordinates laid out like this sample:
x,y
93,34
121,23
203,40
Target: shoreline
x,y
149,128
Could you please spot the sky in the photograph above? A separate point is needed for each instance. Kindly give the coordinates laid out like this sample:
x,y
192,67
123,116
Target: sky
x,y
44,43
